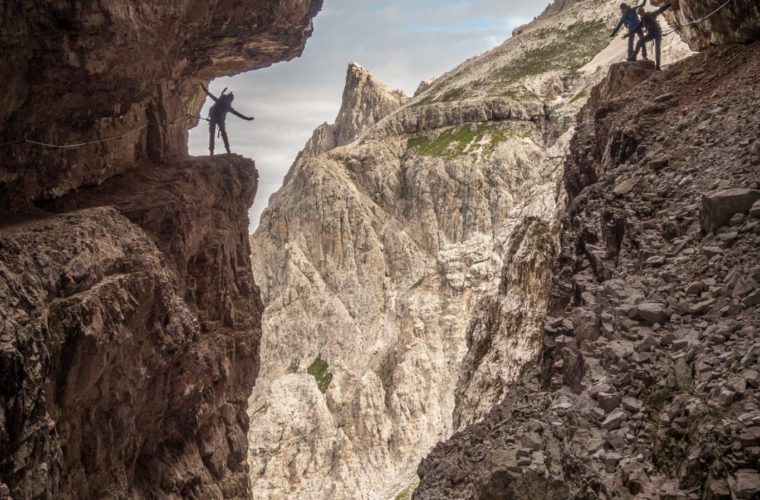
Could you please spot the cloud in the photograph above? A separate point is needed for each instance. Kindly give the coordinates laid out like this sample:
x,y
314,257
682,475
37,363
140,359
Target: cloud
x,y
400,42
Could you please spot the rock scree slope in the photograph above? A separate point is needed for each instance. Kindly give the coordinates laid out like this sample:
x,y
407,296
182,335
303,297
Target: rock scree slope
x,y
405,265
647,382
130,321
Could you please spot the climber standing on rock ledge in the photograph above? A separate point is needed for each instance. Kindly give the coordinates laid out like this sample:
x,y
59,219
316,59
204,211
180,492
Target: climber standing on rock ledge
x,y
217,116
631,21
654,32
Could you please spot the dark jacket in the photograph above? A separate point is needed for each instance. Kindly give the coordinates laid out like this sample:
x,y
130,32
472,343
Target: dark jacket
x,y
630,19
222,105
649,21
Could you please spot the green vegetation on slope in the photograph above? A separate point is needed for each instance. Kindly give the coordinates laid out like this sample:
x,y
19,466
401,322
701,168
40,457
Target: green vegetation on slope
x,y
569,50
320,370
418,283
465,139
561,50
580,95
406,494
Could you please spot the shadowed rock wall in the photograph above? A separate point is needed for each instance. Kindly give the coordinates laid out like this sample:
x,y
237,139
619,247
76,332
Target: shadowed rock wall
x,y
129,318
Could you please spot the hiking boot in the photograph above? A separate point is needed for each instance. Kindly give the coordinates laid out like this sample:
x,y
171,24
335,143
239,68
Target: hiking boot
x,y
631,59
211,152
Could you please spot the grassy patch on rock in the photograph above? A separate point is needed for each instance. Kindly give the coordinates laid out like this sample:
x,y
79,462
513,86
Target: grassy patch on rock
x,y
568,50
418,283
320,370
464,139
406,493
580,95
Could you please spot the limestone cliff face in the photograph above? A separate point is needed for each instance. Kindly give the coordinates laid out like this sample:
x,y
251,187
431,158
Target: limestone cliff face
x,y
130,321
406,273
365,102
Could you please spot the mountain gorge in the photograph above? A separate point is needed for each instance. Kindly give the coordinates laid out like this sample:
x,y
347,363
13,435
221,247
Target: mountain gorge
x,y
537,277
406,264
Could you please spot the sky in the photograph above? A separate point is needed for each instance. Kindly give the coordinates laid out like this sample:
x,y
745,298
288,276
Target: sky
x,y
401,42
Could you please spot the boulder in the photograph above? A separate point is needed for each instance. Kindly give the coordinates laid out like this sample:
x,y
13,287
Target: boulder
x,y
718,207
614,420
652,312
755,210
745,484
608,401
626,186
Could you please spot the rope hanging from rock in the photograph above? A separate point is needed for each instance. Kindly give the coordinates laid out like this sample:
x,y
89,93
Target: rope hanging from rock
x,y
708,16
89,143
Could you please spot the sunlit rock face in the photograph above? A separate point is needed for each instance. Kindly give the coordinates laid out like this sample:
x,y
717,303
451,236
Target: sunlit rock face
x,y
365,102
406,270
129,319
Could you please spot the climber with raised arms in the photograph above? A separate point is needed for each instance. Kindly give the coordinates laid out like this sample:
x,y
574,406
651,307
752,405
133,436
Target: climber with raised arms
x,y
654,32
217,116
631,21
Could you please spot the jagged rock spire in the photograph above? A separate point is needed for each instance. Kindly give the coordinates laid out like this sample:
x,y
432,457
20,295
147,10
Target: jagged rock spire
x,y
366,101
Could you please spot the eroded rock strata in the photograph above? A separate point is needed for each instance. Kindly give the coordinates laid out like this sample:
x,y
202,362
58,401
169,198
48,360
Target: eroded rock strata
x,y
129,318
406,269
647,383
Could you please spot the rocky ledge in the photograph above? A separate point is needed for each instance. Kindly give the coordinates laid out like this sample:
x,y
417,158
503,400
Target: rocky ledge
x,y
122,80
647,384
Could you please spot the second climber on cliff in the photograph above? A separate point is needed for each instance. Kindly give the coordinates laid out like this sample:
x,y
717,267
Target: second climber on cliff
x,y
654,32
630,19
217,116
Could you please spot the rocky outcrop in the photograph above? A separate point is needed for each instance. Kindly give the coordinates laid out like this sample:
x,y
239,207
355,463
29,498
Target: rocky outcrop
x,y
384,262
130,338
124,71
707,23
647,380
130,322
503,335
366,101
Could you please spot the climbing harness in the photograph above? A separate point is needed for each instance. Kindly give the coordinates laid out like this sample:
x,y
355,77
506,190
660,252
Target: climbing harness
x,y
89,143
677,28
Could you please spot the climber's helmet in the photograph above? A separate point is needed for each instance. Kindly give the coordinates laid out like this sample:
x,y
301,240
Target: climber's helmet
x,y
624,7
